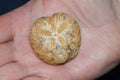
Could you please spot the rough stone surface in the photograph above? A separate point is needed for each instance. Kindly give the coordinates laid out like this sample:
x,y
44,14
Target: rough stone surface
x,y
55,39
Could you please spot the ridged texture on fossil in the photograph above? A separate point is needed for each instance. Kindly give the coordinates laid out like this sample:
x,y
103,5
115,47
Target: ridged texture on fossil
x,y
55,39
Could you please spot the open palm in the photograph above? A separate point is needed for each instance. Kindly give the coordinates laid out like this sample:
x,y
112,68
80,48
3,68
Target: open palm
x,y
99,50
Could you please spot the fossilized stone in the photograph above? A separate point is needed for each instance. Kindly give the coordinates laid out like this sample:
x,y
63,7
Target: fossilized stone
x,y
55,39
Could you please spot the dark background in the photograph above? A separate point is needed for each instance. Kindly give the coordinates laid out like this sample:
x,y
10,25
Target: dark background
x,y
8,5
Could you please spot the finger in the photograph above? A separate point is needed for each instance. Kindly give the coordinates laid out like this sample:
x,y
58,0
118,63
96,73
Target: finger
x,y
34,78
5,29
12,71
6,55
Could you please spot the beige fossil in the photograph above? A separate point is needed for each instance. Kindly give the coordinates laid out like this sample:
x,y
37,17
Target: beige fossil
x,y
55,39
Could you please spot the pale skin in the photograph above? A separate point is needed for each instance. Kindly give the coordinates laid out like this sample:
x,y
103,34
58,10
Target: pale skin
x,y
100,35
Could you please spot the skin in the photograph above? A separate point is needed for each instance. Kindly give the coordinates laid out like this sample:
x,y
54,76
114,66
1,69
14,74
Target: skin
x,y
99,51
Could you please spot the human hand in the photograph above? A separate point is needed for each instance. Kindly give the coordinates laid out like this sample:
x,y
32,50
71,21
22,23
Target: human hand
x,y
99,50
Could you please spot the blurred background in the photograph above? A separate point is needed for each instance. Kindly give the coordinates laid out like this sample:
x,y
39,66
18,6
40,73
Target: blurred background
x,y
8,5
